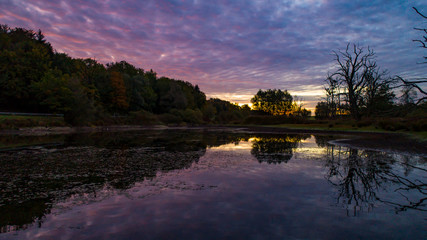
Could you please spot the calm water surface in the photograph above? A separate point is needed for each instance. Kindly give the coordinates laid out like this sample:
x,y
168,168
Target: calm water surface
x,y
205,184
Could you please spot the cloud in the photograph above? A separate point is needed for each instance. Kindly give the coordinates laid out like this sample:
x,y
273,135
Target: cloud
x,y
228,48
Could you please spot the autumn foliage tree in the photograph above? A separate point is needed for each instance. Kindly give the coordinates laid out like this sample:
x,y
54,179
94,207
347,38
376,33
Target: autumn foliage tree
x,y
118,95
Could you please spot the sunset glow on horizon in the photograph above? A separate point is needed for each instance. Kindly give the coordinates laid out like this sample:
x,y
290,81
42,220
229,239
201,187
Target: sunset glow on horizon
x,y
230,49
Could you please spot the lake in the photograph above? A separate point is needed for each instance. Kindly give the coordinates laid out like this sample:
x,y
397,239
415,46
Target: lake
x,y
208,184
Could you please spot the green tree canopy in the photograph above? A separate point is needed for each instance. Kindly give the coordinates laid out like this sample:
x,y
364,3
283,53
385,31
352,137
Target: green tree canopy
x,y
35,78
273,101
24,59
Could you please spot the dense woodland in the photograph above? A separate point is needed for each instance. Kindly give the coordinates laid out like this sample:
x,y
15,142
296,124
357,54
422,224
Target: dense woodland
x,y
36,78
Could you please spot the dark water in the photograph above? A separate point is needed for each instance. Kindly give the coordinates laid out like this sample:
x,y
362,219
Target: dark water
x,y
205,184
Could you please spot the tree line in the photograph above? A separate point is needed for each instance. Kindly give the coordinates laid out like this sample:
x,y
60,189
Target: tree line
x,y
36,78
359,88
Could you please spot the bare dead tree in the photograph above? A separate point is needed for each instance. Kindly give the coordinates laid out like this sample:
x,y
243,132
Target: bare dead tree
x,y
353,65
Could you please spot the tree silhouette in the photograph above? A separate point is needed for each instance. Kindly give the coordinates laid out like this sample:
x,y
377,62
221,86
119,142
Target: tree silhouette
x,y
378,96
353,65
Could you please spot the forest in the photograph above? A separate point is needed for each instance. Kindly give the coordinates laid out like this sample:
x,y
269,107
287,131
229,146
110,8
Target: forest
x,y
35,78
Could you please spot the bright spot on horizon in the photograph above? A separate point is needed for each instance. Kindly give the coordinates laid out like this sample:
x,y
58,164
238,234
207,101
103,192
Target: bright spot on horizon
x,y
230,49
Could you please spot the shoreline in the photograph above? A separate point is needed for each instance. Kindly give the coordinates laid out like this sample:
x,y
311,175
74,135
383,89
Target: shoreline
x,y
391,141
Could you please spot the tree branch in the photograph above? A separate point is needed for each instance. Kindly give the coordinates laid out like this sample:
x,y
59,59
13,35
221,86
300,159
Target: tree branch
x,y
416,10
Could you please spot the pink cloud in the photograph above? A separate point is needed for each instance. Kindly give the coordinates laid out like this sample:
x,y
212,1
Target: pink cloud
x,y
237,46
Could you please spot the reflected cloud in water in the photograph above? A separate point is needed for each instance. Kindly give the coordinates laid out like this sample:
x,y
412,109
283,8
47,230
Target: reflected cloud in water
x,y
187,184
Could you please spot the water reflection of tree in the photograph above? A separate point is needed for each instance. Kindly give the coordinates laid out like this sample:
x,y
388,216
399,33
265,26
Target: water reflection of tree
x,y
33,180
221,138
276,149
18,216
360,177
323,140
407,185
16,142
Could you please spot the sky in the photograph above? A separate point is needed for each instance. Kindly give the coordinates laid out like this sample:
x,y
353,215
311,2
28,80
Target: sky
x,y
231,49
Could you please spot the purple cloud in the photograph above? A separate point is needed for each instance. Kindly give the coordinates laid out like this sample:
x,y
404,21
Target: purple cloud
x,y
229,48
